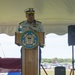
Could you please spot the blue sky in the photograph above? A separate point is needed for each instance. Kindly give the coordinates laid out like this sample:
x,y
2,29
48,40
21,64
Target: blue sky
x,y
55,46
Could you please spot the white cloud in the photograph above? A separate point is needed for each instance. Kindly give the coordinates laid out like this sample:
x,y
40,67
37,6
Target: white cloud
x,y
56,46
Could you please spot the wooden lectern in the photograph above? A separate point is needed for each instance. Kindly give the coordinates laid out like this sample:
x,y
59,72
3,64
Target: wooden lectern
x,y
30,57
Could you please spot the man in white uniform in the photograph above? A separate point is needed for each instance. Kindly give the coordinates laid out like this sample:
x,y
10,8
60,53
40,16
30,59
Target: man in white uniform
x,y
31,24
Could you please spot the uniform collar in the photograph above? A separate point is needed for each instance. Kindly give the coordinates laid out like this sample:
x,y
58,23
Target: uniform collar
x,y
32,22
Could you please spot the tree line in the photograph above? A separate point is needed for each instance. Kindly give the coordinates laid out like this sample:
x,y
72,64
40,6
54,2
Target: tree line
x,y
60,60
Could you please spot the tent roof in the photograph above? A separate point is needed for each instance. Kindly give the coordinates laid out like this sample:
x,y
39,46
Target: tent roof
x,y
55,15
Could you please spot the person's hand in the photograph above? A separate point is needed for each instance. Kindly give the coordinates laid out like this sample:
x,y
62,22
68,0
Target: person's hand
x,y
31,28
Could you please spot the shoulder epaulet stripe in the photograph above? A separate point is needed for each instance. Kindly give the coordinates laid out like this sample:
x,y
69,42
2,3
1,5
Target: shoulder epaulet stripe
x,y
38,21
22,22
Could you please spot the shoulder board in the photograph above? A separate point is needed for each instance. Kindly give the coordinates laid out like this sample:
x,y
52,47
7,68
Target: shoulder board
x,y
38,21
21,22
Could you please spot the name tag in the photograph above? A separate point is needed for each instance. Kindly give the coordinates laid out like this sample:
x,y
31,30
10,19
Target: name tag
x,y
24,26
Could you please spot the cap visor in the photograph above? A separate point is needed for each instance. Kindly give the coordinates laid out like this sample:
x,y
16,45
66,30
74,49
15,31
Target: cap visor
x,y
30,12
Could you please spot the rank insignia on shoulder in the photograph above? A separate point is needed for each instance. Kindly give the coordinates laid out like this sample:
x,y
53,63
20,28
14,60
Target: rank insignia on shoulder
x,y
38,21
35,25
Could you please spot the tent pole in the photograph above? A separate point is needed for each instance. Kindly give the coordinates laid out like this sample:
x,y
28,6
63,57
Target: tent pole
x,y
73,59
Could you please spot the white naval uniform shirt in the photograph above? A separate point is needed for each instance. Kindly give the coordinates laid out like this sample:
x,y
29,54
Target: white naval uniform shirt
x,y
36,25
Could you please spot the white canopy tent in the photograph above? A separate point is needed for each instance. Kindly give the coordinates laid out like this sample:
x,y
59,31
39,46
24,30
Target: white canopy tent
x,y
55,15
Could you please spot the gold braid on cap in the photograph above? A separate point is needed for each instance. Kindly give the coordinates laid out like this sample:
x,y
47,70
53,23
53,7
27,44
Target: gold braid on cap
x,y
30,10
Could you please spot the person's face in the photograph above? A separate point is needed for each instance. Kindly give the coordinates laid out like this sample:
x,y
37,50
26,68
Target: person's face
x,y
30,17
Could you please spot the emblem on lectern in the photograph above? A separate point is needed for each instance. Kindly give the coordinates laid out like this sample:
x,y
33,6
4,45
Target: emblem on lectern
x,y
29,39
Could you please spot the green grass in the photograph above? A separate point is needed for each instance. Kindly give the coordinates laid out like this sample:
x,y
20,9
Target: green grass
x,y
51,72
